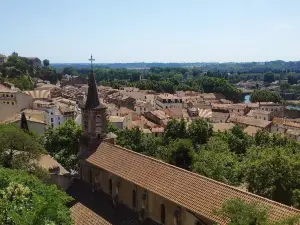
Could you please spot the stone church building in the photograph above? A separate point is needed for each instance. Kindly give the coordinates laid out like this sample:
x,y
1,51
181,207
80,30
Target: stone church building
x,y
120,186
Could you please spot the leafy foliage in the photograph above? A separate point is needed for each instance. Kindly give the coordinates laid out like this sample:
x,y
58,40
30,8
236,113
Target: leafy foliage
x,y
46,62
25,200
62,143
18,149
199,131
264,96
175,129
269,77
273,173
238,212
215,160
182,153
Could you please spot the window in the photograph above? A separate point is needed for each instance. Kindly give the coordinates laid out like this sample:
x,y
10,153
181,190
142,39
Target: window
x,y
162,214
133,198
12,96
12,103
7,102
6,95
51,113
110,186
98,136
52,120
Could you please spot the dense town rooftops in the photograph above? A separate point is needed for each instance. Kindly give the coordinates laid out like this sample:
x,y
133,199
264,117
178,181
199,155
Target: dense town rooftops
x,y
192,191
288,123
159,114
249,121
167,96
228,106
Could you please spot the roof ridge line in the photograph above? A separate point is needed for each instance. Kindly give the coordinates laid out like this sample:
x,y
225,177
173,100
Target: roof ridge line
x,y
206,178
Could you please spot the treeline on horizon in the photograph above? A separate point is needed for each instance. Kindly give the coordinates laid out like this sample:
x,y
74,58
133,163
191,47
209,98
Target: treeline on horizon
x,y
230,67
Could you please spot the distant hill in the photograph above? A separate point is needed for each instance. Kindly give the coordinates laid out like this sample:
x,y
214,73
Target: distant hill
x,y
231,67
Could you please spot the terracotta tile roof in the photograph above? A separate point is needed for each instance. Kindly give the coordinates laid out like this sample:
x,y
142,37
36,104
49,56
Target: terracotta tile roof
x,y
205,113
254,112
47,162
39,94
84,216
250,130
293,132
222,126
124,111
17,117
228,106
249,121
197,193
288,123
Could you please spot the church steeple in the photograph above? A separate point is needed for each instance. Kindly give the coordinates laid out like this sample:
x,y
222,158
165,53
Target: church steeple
x,y
94,115
92,100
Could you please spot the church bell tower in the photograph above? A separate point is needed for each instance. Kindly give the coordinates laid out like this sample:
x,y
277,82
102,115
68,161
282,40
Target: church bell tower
x,y
94,119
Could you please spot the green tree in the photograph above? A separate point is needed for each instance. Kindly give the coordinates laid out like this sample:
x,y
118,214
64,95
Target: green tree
x,y
62,143
214,160
181,153
199,131
273,172
269,77
239,212
264,96
26,200
237,140
175,129
46,62
18,149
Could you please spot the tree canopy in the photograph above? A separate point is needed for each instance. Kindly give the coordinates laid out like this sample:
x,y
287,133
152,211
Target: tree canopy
x,y
238,212
26,200
264,96
62,143
199,131
46,62
18,149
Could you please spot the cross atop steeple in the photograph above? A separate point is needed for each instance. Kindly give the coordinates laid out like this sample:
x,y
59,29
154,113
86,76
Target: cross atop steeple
x,y
91,59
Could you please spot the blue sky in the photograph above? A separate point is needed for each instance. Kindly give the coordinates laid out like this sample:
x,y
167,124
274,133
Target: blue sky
x,y
151,30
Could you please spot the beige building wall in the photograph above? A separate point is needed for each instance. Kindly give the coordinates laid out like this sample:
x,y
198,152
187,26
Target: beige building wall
x,y
39,128
277,129
7,111
24,101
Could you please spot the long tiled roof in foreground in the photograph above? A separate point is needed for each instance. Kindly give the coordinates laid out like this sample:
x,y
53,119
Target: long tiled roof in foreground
x,y
84,216
189,190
